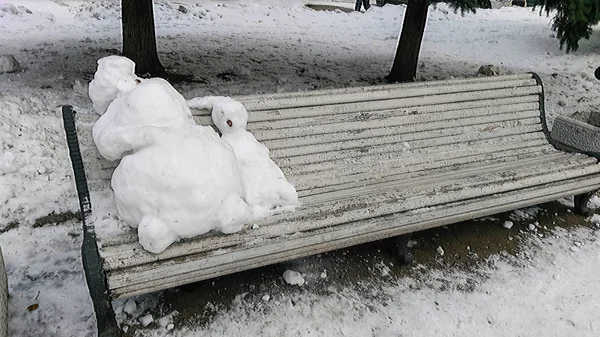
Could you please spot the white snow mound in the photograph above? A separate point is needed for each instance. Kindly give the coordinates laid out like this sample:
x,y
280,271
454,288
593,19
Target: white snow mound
x,y
293,277
8,64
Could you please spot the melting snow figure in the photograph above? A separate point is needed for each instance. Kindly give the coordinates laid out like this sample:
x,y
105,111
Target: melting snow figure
x,y
176,179
265,185
115,76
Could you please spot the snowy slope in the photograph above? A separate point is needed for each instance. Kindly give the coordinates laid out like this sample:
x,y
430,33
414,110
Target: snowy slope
x,y
242,47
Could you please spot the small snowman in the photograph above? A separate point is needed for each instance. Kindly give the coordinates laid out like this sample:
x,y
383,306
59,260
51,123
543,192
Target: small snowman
x,y
266,188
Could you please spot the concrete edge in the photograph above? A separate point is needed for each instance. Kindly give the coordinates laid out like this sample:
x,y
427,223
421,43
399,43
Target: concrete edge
x,y
576,134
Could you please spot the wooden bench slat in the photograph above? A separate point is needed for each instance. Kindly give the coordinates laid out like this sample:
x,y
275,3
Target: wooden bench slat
x,y
361,164
276,98
378,93
404,124
404,116
318,241
329,179
161,270
391,151
403,195
417,139
530,100
447,170
395,103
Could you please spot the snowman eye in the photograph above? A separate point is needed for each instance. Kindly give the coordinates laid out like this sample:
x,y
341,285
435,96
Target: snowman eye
x,y
229,123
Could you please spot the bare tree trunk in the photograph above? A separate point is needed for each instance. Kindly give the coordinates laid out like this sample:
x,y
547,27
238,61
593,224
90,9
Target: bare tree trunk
x,y
139,38
404,68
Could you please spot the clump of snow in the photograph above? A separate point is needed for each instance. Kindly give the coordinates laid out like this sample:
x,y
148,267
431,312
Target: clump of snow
x,y
266,297
531,227
130,306
146,320
80,88
440,250
9,64
507,224
7,159
595,200
265,186
293,277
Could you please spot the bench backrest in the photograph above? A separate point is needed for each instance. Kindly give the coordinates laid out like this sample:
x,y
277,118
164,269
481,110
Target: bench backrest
x,y
322,139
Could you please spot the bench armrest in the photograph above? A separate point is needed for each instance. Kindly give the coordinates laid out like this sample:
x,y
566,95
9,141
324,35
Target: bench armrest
x,y
554,142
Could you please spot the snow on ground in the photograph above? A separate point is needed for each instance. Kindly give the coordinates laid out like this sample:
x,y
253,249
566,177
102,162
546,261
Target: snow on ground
x,y
243,47
540,293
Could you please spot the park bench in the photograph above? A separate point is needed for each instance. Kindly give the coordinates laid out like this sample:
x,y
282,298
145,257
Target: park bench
x,y
368,163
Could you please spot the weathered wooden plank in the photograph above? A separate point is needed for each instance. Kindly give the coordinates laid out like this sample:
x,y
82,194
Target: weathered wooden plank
x,y
391,151
404,195
395,103
518,103
415,115
315,182
384,92
365,163
403,124
398,86
389,177
417,139
213,264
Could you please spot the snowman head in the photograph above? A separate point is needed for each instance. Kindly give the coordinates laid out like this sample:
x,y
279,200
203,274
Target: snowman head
x,y
229,116
114,76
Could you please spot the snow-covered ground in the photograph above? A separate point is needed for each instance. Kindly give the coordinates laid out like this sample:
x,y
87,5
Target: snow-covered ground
x,y
242,47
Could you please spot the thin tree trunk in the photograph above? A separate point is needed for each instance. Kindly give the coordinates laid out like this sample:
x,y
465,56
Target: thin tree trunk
x,y
404,68
139,38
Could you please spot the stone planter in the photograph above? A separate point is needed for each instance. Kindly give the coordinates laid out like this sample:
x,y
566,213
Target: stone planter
x,y
494,4
578,134
3,299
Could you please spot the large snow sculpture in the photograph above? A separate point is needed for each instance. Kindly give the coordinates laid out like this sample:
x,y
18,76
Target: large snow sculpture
x,y
176,179
265,185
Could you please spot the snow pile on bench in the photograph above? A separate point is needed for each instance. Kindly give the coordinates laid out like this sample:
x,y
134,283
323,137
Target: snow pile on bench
x,y
176,179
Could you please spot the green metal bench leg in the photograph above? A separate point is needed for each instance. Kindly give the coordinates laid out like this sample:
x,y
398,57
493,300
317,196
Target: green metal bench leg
x,y
581,202
94,274
400,249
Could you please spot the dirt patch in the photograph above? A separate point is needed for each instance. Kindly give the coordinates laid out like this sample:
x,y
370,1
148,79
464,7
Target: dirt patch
x,y
329,8
56,218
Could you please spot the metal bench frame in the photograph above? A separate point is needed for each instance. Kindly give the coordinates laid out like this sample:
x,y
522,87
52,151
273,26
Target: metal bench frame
x,y
95,274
